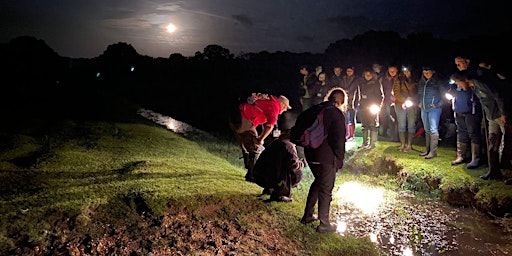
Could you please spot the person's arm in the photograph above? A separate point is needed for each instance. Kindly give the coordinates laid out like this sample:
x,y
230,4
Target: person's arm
x,y
267,129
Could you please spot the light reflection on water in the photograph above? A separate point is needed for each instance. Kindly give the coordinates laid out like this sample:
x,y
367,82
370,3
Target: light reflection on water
x,y
401,224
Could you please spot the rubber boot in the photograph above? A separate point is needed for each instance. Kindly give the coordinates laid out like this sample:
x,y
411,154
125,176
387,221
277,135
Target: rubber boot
x,y
475,156
461,153
365,138
408,148
347,131
427,145
394,132
401,135
352,131
494,172
374,135
434,141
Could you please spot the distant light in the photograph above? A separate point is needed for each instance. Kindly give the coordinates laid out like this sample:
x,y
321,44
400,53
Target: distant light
x,y
132,68
98,74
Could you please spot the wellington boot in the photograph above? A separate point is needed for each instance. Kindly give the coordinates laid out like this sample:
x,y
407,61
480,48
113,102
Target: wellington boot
x,y
401,135
409,142
365,138
373,139
475,156
427,145
328,227
461,153
352,131
434,141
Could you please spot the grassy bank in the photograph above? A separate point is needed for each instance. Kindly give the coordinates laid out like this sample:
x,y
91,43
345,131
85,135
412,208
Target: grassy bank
x,y
134,187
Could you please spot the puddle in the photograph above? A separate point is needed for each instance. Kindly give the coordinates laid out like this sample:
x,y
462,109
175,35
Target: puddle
x,y
402,224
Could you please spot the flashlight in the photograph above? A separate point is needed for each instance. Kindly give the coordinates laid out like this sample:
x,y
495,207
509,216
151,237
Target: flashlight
x,y
408,103
374,109
448,96
404,68
452,81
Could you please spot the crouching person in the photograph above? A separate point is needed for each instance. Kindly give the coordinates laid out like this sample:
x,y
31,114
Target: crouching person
x,y
279,169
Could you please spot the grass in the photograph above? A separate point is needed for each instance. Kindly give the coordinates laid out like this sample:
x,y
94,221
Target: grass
x,y
103,176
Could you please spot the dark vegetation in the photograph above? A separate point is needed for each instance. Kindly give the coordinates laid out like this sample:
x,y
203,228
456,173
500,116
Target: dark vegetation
x,y
200,89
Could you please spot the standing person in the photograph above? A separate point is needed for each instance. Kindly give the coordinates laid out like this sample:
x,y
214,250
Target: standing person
x,y
262,112
279,169
336,77
468,118
377,68
405,89
431,88
496,113
350,83
370,98
386,121
325,161
319,89
308,81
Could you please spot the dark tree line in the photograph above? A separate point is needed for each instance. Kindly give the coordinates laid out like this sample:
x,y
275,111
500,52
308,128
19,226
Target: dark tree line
x,y
201,89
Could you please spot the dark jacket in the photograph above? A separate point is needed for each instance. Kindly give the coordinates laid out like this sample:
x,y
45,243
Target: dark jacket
x,y
332,150
278,160
370,93
350,85
432,91
492,102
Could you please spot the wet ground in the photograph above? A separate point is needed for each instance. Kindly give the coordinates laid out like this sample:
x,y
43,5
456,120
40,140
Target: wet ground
x,y
402,224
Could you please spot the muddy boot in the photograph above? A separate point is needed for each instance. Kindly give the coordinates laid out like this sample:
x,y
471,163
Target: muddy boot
x,y
475,156
434,141
408,148
365,138
401,135
374,134
461,153
427,145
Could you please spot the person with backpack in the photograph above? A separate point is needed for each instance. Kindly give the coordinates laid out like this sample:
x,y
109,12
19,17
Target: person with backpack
x,y
279,169
251,114
325,160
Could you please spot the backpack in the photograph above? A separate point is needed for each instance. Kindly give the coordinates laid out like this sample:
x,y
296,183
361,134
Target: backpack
x,y
309,130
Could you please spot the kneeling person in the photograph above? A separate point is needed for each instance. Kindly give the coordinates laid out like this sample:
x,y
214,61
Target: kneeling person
x,y
279,169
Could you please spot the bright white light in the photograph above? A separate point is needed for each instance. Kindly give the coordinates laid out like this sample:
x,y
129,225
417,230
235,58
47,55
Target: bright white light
x,y
408,103
374,109
171,28
448,96
365,198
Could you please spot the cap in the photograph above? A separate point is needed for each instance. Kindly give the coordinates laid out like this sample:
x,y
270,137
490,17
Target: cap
x,y
285,101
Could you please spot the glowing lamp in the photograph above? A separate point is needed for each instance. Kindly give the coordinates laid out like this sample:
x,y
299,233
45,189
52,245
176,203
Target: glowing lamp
x,y
374,109
449,96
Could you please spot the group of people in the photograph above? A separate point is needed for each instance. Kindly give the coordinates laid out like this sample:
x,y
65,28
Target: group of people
x,y
278,168
392,100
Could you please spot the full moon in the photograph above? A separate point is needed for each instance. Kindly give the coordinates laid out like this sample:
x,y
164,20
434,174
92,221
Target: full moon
x,y
171,28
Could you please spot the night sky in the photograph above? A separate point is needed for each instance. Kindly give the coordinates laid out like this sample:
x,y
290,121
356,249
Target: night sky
x,y
84,28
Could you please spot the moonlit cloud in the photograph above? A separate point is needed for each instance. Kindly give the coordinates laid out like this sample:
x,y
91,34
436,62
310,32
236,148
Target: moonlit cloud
x,y
81,28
